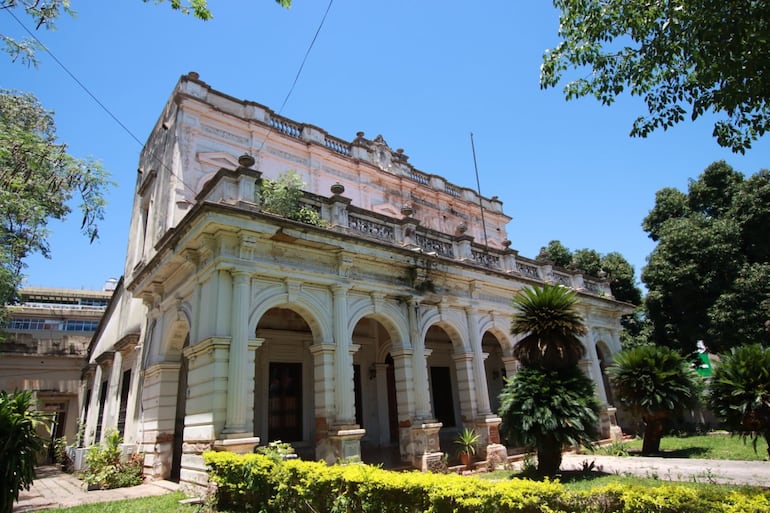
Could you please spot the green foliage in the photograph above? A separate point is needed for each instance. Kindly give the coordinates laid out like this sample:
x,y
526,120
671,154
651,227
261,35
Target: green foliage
x,y
683,58
656,382
619,272
20,445
255,483
709,275
548,409
739,392
107,469
551,324
45,14
468,440
276,450
712,446
283,196
166,503
38,179
555,253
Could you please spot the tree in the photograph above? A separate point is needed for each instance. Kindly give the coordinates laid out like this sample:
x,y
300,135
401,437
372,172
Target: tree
x,y
613,265
708,277
656,383
45,15
20,445
551,326
739,392
549,409
555,253
38,180
683,58
549,402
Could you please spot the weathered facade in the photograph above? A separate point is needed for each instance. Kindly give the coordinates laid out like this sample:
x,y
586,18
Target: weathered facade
x,y
388,325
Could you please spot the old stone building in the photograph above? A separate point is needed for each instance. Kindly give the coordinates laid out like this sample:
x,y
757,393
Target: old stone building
x,y
386,325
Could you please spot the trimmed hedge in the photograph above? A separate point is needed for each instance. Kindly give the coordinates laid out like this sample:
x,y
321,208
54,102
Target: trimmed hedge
x,y
257,483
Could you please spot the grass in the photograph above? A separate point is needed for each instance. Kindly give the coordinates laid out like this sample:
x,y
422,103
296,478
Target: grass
x,y
716,446
168,503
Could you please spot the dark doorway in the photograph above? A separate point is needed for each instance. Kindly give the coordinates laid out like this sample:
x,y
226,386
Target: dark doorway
x,y
285,402
125,388
100,418
181,412
357,394
441,389
392,400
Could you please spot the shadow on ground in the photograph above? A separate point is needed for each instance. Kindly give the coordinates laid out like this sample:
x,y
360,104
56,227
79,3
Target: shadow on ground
x,y
689,452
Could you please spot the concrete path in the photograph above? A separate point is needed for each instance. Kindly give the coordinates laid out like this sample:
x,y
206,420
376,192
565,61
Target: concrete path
x,y
755,473
55,489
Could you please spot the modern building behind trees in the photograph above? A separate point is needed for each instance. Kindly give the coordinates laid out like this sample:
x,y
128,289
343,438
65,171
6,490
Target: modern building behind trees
x,y
46,341
384,325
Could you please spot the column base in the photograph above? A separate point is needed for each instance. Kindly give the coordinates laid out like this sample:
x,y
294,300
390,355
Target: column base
x,y
341,445
609,425
419,440
238,443
488,429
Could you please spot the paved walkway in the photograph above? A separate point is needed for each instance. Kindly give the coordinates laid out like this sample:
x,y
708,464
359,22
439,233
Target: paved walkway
x,y
55,489
755,473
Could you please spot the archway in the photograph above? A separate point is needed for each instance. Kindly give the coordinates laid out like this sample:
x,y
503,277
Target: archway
x,y
283,380
494,368
442,377
179,417
602,354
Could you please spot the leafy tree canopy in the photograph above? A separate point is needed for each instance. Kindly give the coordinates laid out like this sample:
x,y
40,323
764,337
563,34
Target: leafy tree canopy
x,y
617,269
708,278
684,59
38,180
45,14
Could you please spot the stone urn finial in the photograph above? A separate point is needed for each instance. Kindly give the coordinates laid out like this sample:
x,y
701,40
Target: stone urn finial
x,y
246,160
337,188
407,211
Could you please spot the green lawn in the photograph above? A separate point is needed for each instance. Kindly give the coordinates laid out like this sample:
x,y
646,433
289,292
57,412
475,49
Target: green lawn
x,y
714,446
158,504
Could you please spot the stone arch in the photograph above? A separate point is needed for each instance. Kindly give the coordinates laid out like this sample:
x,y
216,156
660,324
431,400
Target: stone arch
x,y
174,336
316,313
389,316
493,325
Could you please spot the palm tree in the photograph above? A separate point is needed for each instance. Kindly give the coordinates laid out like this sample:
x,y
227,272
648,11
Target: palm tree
x,y
739,392
548,317
550,402
655,382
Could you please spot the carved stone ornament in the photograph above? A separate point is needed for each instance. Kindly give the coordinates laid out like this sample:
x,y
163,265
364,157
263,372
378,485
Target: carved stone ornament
x,y
381,153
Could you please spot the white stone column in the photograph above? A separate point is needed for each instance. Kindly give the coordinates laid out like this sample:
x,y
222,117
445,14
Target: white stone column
x,y
343,360
383,413
239,356
464,371
423,409
479,374
405,385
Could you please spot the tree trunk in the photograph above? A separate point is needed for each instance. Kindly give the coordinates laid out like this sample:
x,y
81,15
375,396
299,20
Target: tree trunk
x,y
653,432
548,456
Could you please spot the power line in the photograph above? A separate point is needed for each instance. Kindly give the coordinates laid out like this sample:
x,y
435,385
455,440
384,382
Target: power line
x,y
128,131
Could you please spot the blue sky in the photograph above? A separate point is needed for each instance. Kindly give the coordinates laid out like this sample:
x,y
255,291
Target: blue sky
x,y
424,75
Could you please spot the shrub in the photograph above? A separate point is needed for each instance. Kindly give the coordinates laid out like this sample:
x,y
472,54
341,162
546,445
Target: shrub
x,y
257,483
106,468
20,445
739,392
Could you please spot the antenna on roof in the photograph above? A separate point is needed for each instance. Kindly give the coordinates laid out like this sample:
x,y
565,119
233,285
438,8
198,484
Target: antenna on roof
x,y
478,188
